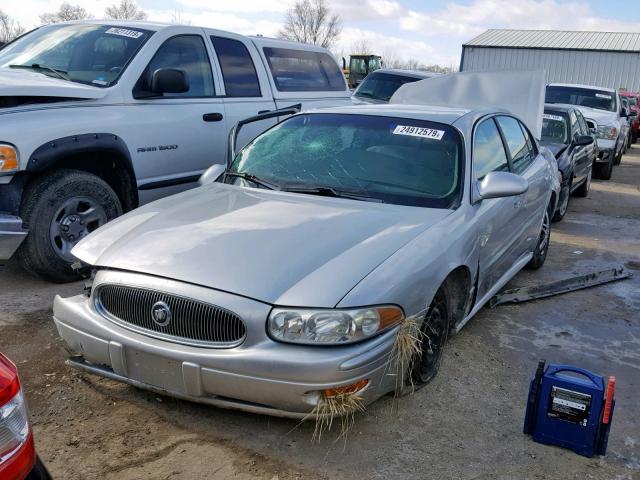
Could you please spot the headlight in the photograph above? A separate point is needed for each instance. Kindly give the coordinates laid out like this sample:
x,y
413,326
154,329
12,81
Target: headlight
x,y
8,159
607,132
331,326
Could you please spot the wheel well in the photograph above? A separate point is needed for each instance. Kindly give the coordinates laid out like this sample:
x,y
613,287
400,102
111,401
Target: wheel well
x,y
111,166
458,285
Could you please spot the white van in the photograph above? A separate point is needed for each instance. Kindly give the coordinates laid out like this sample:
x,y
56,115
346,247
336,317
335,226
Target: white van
x,y
97,118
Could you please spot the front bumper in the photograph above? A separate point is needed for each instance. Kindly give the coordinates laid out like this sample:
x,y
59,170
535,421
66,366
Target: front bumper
x,y
11,235
260,376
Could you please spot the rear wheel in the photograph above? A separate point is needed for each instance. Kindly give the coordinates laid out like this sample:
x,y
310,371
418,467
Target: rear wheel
x,y
540,253
59,210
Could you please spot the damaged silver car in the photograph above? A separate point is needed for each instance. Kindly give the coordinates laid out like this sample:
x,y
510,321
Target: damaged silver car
x,y
288,275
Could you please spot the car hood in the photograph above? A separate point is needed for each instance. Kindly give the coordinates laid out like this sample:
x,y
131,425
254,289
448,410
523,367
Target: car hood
x,y
276,247
556,148
602,117
15,82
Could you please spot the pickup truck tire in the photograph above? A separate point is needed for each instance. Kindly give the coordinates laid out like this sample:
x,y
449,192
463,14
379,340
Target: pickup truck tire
x,y
59,209
605,170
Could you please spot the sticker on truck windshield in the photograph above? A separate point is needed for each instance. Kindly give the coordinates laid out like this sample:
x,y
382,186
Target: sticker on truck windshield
x,y
603,95
418,132
548,116
124,32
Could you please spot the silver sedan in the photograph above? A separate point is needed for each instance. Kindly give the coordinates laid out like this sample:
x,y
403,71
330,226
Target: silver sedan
x,y
288,277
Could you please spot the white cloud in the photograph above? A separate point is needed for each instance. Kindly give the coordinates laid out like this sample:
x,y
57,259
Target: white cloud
x,y
363,10
239,6
470,20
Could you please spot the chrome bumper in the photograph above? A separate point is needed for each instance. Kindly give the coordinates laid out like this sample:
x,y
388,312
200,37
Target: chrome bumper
x,y
11,235
260,376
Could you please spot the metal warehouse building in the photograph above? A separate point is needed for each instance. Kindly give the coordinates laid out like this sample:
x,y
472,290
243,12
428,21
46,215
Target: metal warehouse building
x,y
605,59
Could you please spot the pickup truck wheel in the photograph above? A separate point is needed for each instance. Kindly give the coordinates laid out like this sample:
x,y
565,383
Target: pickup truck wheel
x,y
59,210
583,190
606,170
542,248
435,330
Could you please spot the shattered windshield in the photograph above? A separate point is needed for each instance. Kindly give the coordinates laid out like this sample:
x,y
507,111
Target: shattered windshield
x,y
392,160
84,53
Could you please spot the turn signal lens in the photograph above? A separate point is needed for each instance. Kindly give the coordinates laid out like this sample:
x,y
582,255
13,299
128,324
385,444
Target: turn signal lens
x,y
8,159
346,389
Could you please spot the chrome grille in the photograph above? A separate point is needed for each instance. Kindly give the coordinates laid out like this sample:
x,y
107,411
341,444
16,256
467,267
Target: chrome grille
x,y
192,322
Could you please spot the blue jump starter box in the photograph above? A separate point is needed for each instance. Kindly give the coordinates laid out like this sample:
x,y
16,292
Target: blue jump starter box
x,y
570,407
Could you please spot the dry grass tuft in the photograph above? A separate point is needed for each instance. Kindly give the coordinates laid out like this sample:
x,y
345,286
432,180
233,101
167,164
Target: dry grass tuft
x,y
343,405
406,348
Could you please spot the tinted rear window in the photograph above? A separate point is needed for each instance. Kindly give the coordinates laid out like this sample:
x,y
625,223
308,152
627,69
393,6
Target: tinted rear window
x,y
585,97
304,71
238,70
381,86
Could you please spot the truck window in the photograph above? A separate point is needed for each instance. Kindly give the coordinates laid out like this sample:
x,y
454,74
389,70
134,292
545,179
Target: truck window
x,y
185,52
238,70
304,71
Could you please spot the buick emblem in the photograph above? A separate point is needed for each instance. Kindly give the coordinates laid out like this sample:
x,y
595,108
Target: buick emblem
x,y
161,314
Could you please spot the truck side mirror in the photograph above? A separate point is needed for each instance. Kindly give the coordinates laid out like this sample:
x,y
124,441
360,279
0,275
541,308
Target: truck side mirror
x,y
623,112
169,80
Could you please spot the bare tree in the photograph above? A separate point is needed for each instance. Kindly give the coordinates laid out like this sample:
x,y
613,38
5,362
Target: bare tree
x,y
178,18
362,47
311,21
126,10
9,28
65,13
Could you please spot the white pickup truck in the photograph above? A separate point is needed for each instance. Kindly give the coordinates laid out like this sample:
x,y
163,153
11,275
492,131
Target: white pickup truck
x,y
97,118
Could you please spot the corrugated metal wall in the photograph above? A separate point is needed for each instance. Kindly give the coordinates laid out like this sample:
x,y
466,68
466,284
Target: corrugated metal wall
x,y
603,69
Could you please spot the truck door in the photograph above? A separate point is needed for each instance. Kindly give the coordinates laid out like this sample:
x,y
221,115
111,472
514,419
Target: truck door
x,y
496,218
529,163
178,135
245,83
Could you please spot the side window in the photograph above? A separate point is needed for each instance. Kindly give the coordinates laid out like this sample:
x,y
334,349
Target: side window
x,y
238,70
304,70
521,155
188,53
488,150
584,130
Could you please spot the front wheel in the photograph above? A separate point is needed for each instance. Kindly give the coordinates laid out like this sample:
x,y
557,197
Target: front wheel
x,y
565,196
59,210
605,170
540,253
583,190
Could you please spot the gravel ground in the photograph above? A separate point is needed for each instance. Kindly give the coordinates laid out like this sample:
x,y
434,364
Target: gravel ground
x,y
467,424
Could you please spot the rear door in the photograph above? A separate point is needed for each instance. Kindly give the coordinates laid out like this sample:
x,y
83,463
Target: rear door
x,y
245,84
530,164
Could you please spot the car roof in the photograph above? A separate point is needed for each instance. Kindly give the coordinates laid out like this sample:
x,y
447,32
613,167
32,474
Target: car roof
x,y
407,73
146,25
446,115
589,87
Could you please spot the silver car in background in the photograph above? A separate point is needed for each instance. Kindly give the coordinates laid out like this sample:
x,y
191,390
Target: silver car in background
x,y
292,272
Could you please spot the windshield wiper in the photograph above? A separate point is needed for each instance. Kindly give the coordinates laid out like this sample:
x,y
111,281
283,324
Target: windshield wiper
x,y
331,192
254,179
38,66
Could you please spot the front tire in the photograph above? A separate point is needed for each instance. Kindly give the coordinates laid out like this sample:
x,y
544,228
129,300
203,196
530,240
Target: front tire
x,y
565,195
606,170
59,209
583,190
542,247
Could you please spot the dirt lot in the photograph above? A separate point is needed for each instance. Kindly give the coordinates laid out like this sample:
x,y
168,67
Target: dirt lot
x,y
466,425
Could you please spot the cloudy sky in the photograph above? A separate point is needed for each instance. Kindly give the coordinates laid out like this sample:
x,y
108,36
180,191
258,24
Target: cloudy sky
x,y
430,31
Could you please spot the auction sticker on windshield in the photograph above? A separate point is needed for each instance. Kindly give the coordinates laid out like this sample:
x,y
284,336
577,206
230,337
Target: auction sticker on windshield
x,y
603,95
124,32
548,116
418,132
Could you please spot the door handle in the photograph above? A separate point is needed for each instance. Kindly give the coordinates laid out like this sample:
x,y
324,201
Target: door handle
x,y
212,117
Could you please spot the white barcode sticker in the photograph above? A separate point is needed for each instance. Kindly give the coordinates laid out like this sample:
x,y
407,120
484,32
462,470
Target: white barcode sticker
x,y
548,116
603,95
418,132
124,32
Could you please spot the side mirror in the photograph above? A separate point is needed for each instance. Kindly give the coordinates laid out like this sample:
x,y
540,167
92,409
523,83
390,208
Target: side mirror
x,y
583,140
624,113
211,174
501,184
169,80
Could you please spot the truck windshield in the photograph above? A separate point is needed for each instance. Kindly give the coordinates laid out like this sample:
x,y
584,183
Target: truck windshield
x,y
90,54
385,159
554,128
584,97
381,86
